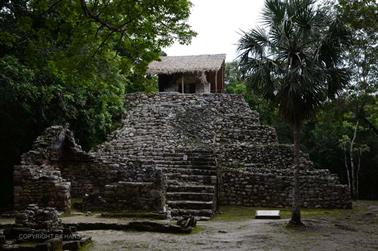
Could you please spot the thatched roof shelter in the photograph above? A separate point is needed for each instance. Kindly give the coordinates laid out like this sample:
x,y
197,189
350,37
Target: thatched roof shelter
x,y
187,64
187,73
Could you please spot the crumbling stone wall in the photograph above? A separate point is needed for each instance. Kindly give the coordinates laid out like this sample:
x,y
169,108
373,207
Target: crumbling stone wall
x,y
36,178
57,169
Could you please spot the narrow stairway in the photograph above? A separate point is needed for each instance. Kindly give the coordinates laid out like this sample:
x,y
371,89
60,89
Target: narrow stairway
x,y
191,183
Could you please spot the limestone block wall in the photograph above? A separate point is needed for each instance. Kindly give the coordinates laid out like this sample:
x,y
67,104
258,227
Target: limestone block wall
x,y
258,134
45,190
114,184
131,191
92,177
134,196
273,188
271,156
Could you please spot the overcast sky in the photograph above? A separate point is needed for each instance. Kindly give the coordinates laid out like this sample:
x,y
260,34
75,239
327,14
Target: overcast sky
x,y
218,23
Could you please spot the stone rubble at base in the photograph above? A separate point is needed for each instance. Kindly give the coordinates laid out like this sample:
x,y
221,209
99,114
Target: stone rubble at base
x,y
40,228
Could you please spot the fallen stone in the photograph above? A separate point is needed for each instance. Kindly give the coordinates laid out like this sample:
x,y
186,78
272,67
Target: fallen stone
x,y
187,221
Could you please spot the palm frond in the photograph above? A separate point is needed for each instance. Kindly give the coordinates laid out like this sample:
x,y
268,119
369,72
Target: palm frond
x,y
274,12
336,79
332,44
258,73
253,43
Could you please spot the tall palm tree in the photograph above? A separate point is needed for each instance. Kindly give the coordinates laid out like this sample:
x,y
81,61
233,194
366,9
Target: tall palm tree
x,y
295,61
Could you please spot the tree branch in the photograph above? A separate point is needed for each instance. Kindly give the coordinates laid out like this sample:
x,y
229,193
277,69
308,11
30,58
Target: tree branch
x,y
103,42
371,126
51,7
88,13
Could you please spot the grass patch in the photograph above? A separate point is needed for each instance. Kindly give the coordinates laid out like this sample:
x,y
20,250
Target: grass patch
x,y
197,229
28,244
235,213
86,247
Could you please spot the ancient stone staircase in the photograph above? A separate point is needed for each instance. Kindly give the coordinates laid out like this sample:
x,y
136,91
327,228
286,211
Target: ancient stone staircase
x,y
191,182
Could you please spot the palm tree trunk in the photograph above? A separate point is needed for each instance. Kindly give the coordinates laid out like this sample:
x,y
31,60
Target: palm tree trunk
x,y
296,211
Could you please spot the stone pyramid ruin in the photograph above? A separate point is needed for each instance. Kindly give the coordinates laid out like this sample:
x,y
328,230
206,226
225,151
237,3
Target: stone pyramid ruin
x,y
177,154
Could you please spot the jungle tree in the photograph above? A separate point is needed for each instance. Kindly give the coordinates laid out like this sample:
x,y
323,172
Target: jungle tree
x,y
294,59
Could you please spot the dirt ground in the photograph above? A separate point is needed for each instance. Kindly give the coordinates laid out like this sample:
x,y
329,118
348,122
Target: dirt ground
x,y
235,229
355,229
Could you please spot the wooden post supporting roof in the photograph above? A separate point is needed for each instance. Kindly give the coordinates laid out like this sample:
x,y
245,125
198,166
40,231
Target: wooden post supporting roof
x,y
216,82
222,79
182,84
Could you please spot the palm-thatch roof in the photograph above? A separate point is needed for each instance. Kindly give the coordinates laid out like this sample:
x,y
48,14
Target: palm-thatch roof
x,y
187,64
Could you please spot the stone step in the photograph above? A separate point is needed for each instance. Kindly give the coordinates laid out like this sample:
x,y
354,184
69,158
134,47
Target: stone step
x,y
189,159
190,204
191,188
245,118
190,196
189,155
180,159
175,213
255,134
186,166
203,179
150,150
193,171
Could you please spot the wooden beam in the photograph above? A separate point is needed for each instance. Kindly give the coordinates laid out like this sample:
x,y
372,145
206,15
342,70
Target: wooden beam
x,y
222,78
216,82
182,84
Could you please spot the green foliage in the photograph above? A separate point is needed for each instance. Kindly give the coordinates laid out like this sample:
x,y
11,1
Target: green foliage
x,y
72,62
372,113
362,56
83,54
232,73
329,134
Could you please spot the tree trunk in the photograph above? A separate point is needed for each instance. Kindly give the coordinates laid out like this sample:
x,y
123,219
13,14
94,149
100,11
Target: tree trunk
x,y
296,211
352,168
358,174
347,168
